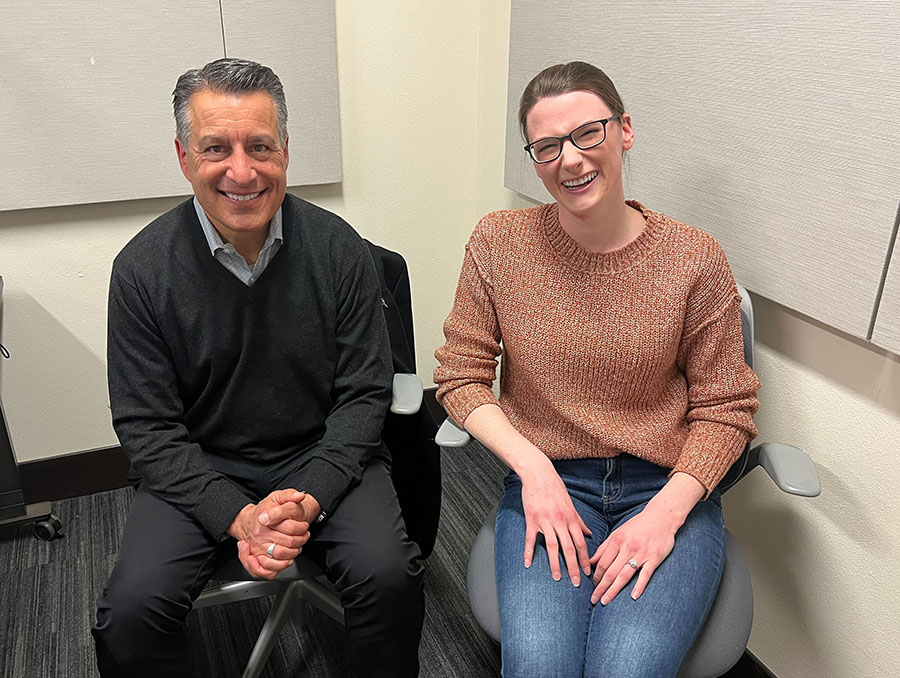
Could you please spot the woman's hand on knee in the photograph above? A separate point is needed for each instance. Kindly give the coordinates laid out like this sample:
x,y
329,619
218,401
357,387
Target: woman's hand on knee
x,y
644,541
638,546
549,511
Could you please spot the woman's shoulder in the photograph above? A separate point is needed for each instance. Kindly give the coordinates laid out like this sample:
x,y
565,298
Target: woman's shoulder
x,y
690,245
506,227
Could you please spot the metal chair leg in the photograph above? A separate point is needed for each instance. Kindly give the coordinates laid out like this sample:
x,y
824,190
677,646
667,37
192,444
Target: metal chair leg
x,y
271,629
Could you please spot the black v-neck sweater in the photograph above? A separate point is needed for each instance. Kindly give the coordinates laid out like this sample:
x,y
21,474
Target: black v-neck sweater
x,y
206,373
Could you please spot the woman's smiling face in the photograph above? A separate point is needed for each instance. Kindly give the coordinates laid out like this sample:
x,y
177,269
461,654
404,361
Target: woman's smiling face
x,y
581,180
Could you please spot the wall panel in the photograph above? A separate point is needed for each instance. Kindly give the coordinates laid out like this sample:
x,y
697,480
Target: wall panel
x,y
300,46
539,34
887,324
86,110
770,125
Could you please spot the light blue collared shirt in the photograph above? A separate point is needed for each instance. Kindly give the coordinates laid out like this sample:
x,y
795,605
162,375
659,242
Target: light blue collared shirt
x,y
225,254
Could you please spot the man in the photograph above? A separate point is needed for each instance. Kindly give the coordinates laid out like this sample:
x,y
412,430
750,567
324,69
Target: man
x,y
249,376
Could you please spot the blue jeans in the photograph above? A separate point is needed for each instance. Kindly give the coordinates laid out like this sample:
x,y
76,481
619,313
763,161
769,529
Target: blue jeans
x,y
550,629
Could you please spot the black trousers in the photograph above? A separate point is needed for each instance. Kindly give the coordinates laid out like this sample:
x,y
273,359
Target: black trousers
x,y
166,558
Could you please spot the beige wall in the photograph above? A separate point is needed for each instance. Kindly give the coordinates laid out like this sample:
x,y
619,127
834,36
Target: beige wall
x,y
826,579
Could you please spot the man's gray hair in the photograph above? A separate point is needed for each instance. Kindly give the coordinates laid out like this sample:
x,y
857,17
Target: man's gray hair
x,y
228,76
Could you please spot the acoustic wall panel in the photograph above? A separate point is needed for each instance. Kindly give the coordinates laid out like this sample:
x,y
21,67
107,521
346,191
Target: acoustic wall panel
x,y
887,324
298,42
539,35
86,110
86,105
771,125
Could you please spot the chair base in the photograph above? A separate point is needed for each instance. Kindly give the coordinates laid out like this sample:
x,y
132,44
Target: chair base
x,y
288,594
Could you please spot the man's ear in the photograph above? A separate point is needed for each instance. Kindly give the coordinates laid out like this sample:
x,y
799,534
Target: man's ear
x,y
286,154
181,151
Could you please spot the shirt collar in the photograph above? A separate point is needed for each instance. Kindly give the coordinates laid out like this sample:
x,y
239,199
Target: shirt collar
x,y
214,240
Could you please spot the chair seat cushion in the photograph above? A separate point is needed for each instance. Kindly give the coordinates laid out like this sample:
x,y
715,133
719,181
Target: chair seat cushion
x,y
722,639
232,570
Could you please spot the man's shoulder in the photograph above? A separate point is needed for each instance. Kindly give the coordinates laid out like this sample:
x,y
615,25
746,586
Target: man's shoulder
x,y
317,220
157,240
319,231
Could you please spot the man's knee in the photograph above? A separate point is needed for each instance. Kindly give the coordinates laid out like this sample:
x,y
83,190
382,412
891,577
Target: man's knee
x,y
388,572
132,618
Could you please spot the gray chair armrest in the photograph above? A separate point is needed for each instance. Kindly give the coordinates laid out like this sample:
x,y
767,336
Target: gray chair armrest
x,y
451,435
406,394
790,467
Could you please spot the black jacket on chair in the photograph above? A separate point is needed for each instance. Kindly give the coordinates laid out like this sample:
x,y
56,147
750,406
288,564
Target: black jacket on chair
x,y
415,459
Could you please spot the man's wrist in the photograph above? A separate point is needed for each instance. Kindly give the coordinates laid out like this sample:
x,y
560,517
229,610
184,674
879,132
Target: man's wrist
x,y
238,527
314,511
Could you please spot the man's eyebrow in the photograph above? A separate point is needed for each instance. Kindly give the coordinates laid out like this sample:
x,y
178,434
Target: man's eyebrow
x,y
210,139
270,140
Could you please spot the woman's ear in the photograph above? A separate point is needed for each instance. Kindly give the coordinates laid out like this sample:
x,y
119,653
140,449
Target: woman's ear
x,y
627,132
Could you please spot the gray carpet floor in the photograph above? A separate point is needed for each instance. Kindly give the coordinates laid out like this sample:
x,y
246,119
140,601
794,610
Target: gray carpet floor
x,y
48,592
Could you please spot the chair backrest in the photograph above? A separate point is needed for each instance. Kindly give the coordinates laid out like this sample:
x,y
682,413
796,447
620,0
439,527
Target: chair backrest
x,y
415,458
736,472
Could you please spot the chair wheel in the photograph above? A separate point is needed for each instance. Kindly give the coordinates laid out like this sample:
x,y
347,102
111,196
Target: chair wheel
x,y
48,529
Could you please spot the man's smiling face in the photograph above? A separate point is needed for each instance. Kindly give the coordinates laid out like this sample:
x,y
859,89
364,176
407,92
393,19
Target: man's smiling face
x,y
235,160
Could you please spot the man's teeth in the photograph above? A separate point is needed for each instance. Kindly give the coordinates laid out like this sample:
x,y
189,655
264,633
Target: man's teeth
x,y
235,196
575,183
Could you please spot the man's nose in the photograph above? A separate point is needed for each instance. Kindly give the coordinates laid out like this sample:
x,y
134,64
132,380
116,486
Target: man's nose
x,y
241,170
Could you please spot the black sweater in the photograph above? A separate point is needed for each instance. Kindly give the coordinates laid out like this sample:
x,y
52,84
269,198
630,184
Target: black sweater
x,y
203,368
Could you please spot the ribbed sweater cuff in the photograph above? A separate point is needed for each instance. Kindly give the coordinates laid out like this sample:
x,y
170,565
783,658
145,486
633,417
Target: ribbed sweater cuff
x,y
709,452
325,482
460,402
219,506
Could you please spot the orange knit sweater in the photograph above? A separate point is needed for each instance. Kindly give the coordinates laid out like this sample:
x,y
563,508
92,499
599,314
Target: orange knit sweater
x,y
637,350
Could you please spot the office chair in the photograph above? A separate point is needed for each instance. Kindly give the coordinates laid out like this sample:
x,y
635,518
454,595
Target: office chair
x,y
724,635
408,433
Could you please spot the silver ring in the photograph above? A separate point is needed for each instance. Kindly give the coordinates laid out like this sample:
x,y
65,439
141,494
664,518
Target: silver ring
x,y
631,562
271,550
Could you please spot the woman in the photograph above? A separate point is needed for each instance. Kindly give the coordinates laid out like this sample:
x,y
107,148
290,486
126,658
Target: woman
x,y
624,399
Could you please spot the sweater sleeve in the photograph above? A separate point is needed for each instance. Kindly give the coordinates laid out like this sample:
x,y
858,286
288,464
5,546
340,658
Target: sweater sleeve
x,y
148,414
361,390
468,359
721,386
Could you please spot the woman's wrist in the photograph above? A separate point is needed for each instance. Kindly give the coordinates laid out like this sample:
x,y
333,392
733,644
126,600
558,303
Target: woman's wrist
x,y
676,499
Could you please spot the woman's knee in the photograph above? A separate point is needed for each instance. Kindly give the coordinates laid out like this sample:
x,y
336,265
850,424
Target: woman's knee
x,y
532,647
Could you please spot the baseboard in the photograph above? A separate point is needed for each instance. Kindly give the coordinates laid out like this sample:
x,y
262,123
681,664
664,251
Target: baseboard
x,y
764,671
74,475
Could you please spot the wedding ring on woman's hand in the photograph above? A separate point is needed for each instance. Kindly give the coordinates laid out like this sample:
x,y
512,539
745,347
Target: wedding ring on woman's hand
x,y
633,563
271,551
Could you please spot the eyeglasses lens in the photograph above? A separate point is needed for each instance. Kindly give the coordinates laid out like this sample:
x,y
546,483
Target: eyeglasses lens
x,y
589,135
546,150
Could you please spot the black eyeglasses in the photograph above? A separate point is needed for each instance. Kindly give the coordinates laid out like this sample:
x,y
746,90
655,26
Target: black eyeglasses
x,y
584,137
